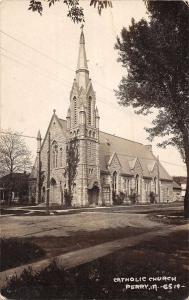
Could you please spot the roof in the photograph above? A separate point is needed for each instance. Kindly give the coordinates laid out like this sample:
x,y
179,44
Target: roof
x,y
128,153
176,186
180,179
15,178
63,123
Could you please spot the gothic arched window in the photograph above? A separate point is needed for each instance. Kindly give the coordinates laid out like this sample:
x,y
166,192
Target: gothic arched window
x,y
75,110
128,187
137,184
90,149
155,185
115,181
61,157
89,110
54,154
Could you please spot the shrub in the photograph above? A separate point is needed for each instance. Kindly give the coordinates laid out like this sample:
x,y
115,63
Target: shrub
x,y
122,196
50,283
15,252
133,198
118,199
152,197
68,198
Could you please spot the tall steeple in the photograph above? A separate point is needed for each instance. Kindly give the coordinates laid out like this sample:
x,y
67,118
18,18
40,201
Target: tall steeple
x,y
83,128
82,72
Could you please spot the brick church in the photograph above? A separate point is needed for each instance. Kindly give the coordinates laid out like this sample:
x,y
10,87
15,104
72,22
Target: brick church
x,y
79,165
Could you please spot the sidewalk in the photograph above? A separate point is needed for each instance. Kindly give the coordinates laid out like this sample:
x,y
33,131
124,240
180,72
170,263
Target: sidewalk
x,y
79,257
130,208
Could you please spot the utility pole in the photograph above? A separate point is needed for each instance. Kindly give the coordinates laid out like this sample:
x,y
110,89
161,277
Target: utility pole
x,y
38,192
48,172
159,196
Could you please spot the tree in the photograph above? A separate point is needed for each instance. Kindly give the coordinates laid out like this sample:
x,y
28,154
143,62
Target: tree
x,y
14,154
74,10
71,167
155,54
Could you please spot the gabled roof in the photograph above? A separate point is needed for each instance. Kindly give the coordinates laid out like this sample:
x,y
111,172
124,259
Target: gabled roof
x,y
62,124
132,162
150,165
15,178
124,146
128,152
112,157
125,164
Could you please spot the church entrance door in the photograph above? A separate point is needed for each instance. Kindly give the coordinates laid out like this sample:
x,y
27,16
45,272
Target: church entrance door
x,y
93,195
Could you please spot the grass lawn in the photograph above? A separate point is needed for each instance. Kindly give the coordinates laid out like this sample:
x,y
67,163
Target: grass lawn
x,y
170,217
11,211
15,252
18,251
56,245
162,256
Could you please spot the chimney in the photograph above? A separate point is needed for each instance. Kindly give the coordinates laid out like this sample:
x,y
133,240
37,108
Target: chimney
x,y
149,147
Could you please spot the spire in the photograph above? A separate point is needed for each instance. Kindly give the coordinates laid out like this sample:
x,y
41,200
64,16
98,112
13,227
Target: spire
x,y
39,135
82,72
96,113
69,113
38,141
82,59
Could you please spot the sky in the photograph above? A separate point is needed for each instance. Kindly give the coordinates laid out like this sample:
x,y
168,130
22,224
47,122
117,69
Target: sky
x,y
38,58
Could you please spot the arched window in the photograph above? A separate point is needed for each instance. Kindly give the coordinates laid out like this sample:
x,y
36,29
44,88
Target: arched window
x,y
125,184
90,149
54,154
155,185
89,110
115,182
75,110
61,157
53,158
56,159
53,181
128,187
137,184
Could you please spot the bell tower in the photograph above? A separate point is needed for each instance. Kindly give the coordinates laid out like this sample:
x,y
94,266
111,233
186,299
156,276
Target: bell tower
x,y
83,131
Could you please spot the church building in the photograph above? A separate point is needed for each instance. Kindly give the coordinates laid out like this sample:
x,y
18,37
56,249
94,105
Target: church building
x,y
78,165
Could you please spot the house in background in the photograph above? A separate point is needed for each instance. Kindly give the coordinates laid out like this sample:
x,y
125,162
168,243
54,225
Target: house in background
x,y
181,180
177,192
14,188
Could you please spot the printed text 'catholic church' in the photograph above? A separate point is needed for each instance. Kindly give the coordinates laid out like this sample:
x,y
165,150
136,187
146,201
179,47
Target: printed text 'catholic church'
x,y
79,165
